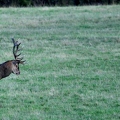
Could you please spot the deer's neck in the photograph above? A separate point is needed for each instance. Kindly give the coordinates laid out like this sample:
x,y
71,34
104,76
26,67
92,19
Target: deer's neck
x,y
5,69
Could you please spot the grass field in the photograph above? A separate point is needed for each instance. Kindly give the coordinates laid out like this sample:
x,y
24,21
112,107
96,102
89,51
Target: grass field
x,y
72,69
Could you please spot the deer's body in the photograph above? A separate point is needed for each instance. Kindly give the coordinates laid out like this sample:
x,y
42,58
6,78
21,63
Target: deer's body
x,y
11,66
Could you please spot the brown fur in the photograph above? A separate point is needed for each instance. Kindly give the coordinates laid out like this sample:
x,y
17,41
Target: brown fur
x,y
9,67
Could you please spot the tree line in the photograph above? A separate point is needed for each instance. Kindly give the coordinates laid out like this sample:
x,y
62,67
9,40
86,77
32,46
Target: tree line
x,y
25,3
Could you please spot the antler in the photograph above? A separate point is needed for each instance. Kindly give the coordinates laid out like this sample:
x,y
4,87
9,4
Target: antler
x,y
15,50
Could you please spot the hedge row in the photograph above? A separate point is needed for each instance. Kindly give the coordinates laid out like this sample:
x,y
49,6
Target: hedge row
x,y
20,3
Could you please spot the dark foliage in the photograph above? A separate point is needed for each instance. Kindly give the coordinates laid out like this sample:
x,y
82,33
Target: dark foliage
x,y
21,3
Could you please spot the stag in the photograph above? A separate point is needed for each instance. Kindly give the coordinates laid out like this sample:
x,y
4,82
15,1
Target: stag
x,y
12,66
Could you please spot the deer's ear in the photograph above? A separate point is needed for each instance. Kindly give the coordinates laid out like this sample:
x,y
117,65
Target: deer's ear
x,y
14,62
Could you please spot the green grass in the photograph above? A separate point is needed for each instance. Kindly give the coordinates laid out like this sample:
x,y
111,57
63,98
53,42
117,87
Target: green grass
x,y
73,63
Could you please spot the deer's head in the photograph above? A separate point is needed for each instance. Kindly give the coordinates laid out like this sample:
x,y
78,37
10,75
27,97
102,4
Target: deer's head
x,y
12,66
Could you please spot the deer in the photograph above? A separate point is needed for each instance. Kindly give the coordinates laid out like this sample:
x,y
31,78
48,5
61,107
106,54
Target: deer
x,y
12,66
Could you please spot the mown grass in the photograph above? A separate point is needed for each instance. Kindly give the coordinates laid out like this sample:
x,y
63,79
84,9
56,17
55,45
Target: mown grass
x,y
72,63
